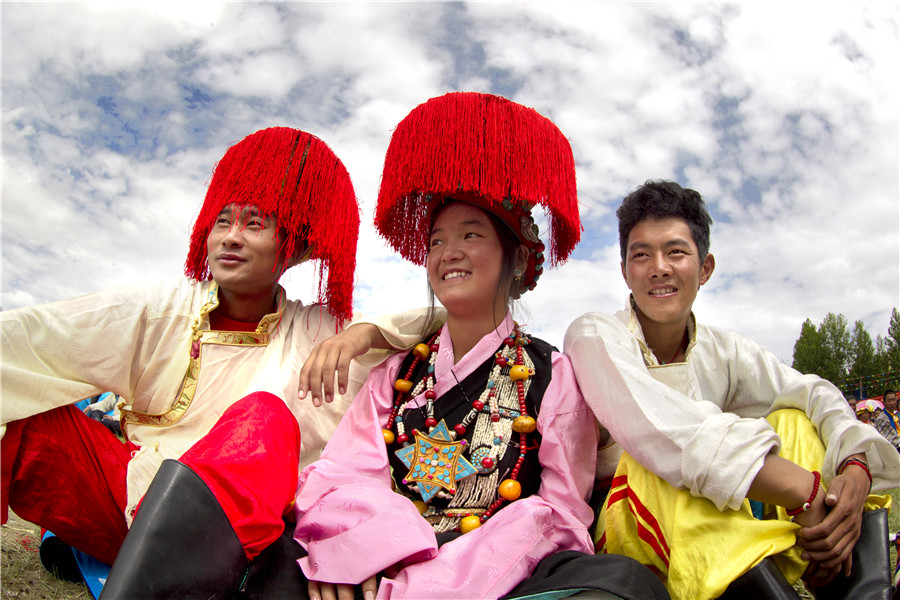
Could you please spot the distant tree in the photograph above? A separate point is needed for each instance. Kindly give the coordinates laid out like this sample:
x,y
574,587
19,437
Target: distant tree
x,y
835,338
861,356
892,341
882,364
832,352
808,349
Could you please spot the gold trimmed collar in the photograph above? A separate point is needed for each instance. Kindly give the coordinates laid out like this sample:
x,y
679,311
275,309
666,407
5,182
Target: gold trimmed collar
x,y
634,326
266,324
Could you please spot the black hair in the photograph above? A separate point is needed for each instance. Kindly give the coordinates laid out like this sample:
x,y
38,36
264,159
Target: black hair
x,y
888,391
507,284
659,199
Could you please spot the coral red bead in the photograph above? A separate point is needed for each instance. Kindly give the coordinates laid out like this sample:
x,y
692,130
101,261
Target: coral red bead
x,y
430,395
501,361
495,417
431,422
487,462
402,438
478,405
460,429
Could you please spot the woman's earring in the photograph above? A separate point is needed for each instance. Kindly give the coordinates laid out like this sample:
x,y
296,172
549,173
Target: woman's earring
x,y
517,274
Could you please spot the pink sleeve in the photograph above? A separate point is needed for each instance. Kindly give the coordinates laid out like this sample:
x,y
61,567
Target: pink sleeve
x,y
352,524
490,561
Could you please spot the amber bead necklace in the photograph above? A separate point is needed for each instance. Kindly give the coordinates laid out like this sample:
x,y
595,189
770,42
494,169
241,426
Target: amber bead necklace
x,y
508,362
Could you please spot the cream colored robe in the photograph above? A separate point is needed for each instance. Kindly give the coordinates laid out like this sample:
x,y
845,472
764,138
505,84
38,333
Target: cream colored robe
x,y
138,341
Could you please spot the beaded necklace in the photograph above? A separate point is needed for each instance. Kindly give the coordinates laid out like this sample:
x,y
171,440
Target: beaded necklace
x,y
435,459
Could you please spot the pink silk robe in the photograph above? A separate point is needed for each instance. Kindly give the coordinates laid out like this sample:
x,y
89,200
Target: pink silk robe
x,y
353,525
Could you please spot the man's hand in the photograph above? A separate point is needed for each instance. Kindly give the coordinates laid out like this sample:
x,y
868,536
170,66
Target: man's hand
x,y
816,574
340,591
334,355
828,543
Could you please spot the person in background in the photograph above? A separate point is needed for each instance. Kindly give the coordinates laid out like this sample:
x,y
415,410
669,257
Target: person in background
x,y
105,409
865,412
887,420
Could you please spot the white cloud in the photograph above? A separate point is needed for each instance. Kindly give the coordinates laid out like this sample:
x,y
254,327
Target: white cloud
x,y
783,116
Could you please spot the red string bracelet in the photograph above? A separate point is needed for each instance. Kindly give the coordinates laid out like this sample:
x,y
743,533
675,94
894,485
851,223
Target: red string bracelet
x,y
861,464
817,478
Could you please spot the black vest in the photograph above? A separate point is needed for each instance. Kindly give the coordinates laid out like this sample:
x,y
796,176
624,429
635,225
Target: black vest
x,y
456,403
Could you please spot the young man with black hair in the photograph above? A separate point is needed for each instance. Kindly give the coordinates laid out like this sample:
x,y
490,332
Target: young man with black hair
x,y
697,411
209,368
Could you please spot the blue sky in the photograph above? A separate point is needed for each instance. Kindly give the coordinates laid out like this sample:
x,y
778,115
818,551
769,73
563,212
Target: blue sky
x,y
783,115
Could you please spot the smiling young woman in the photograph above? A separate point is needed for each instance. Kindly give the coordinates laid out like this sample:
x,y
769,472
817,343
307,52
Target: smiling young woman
x,y
472,454
471,266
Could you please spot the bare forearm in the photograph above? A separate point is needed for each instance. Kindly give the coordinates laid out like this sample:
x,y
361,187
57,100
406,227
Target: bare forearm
x,y
781,482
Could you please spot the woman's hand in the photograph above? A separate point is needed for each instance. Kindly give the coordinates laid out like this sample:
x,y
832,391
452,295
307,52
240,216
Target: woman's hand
x,y
828,543
334,355
340,591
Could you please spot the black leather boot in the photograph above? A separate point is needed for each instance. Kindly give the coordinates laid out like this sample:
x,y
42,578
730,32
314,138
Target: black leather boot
x,y
762,581
180,545
275,572
871,575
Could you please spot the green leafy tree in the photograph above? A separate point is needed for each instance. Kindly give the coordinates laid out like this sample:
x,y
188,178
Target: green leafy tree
x,y
861,355
892,341
835,338
882,364
808,349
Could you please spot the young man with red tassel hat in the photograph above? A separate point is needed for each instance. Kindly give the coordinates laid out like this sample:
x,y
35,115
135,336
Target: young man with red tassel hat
x,y
462,465
214,431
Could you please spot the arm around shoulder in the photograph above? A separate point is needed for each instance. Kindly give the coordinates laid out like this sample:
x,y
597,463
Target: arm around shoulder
x,y
365,341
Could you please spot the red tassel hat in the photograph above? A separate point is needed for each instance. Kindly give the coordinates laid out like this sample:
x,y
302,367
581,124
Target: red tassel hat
x,y
295,177
488,151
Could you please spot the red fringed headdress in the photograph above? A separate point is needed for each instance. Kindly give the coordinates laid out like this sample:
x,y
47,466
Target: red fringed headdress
x,y
485,150
295,177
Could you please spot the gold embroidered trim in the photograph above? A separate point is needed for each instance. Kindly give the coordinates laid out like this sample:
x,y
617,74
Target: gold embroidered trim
x,y
200,337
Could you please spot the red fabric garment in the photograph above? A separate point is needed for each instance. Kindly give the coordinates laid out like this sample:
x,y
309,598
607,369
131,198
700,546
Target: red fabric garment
x,y
66,473
249,460
219,322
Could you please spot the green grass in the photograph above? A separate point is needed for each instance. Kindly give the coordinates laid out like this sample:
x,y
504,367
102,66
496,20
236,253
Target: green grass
x,y
894,516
